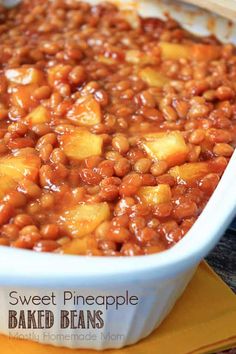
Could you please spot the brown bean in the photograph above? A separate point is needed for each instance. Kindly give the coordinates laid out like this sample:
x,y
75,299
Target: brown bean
x,y
6,212
49,232
46,246
120,144
22,220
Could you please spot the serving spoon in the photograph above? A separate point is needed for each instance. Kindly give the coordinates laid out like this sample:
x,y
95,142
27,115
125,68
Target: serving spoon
x,y
225,8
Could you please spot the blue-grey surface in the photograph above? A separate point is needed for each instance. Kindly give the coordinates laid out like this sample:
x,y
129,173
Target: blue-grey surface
x,y
223,258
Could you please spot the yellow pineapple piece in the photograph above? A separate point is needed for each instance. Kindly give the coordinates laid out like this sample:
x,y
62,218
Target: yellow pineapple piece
x,y
170,147
84,218
86,111
189,172
7,184
175,51
80,144
153,78
76,246
18,167
131,17
155,195
15,168
24,76
135,56
39,115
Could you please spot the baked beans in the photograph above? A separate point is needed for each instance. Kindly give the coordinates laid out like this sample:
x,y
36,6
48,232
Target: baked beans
x,y
114,129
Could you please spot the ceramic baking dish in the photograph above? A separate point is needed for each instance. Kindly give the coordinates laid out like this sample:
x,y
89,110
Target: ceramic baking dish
x,y
153,282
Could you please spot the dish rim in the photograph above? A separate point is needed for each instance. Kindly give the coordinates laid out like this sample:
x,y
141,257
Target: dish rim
x,y
32,267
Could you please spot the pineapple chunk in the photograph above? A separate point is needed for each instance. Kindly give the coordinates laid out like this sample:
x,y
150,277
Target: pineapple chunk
x,y
76,246
155,195
24,76
39,115
135,56
189,172
132,18
18,167
22,96
175,51
14,169
84,218
80,144
86,111
153,77
169,147
199,52
7,184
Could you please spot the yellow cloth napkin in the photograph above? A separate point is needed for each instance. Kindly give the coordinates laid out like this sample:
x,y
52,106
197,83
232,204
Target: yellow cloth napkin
x,y
203,321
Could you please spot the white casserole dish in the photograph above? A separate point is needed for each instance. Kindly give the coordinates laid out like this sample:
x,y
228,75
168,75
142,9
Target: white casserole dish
x,y
157,280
